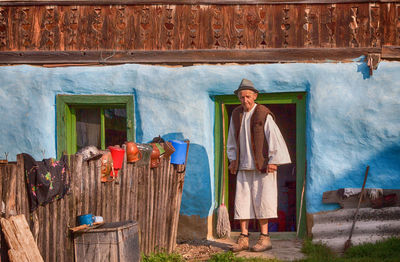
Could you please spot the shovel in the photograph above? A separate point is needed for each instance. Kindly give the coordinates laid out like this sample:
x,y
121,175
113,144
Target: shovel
x,y
348,242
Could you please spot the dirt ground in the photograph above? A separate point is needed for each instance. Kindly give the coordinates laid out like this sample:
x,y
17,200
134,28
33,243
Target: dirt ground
x,y
202,250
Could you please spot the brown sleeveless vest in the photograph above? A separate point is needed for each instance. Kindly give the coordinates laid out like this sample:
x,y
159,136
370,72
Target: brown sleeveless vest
x,y
259,143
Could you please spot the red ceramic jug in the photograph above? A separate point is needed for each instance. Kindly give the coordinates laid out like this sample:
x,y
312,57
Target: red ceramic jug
x,y
132,152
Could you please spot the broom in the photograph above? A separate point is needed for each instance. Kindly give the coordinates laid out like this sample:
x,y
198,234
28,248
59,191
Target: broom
x,y
223,224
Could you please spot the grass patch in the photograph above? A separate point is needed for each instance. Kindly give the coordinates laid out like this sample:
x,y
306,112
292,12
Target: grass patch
x,y
162,257
387,251
316,252
231,257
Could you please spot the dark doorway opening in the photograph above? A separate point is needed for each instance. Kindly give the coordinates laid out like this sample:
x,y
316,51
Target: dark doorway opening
x,y
286,222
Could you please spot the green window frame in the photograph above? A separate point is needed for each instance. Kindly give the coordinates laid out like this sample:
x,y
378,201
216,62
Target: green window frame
x,y
298,98
66,121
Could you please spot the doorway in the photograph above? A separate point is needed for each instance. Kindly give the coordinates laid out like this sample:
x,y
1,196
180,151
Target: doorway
x,y
289,109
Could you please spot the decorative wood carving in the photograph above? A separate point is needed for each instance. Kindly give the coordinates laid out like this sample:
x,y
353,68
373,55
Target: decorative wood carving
x,y
285,25
70,28
49,28
263,27
217,26
25,25
169,26
354,27
375,25
3,28
120,26
192,27
397,24
144,28
239,27
331,25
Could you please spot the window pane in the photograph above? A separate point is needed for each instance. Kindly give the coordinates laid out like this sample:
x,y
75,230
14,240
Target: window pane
x,y
88,127
115,126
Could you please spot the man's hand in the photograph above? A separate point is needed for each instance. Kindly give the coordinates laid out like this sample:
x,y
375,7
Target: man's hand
x,y
232,166
272,168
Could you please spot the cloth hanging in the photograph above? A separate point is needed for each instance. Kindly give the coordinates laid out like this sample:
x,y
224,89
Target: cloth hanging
x,y
47,180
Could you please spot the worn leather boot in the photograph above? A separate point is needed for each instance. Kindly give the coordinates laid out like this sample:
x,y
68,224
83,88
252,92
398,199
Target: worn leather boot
x,y
242,243
263,243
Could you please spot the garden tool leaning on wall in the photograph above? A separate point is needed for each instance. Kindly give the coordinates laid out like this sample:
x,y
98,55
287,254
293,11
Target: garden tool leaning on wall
x,y
348,242
223,224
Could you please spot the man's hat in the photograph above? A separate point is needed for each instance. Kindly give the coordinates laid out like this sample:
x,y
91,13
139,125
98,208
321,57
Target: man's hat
x,y
245,85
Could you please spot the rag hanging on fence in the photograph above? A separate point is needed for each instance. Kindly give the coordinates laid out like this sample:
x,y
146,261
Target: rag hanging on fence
x,y
47,180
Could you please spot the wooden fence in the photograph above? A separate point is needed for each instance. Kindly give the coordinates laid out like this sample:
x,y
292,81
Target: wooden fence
x,y
151,197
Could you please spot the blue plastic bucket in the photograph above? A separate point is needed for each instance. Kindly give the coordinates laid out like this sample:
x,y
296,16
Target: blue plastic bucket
x,y
86,219
179,156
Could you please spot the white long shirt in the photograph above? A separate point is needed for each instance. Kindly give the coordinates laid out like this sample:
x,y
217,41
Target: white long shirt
x,y
277,149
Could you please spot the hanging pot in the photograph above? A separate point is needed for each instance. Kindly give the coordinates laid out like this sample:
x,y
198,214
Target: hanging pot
x,y
155,156
118,158
133,153
106,161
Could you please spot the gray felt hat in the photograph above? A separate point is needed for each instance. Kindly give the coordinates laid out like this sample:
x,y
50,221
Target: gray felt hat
x,y
246,85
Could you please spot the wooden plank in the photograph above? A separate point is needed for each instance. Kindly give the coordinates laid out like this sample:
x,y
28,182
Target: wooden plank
x,y
46,230
97,189
123,208
40,232
78,167
20,185
20,239
103,200
157,207
85,188
391,52
91,187
52,230
336,197
152,211
141,207
164,204
62,224
191,56
181,177
71,210
179,2
133,180
173,199
10,196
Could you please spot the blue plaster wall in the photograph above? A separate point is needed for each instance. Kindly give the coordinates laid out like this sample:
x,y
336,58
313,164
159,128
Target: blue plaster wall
x,y
352,119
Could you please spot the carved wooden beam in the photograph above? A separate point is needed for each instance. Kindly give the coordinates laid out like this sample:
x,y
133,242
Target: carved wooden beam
x,y
391,52
183,2
273,55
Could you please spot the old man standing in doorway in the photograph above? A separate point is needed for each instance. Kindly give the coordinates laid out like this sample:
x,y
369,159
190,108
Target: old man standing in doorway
x,y
255,149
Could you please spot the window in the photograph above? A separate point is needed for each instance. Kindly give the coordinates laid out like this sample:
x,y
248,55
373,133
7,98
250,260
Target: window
x,y
97,120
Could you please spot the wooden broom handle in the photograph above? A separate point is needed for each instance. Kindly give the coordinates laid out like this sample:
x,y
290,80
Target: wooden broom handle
x,y
223,153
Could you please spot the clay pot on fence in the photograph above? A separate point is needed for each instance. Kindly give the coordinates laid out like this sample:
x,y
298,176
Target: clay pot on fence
x,y
133,153
155,156
106,161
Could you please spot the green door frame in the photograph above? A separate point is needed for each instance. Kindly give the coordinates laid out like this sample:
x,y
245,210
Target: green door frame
x,y
298,98
66,129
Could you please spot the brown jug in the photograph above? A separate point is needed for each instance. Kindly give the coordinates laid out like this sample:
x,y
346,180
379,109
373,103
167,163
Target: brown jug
x,y
133,154
155,156
106,161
